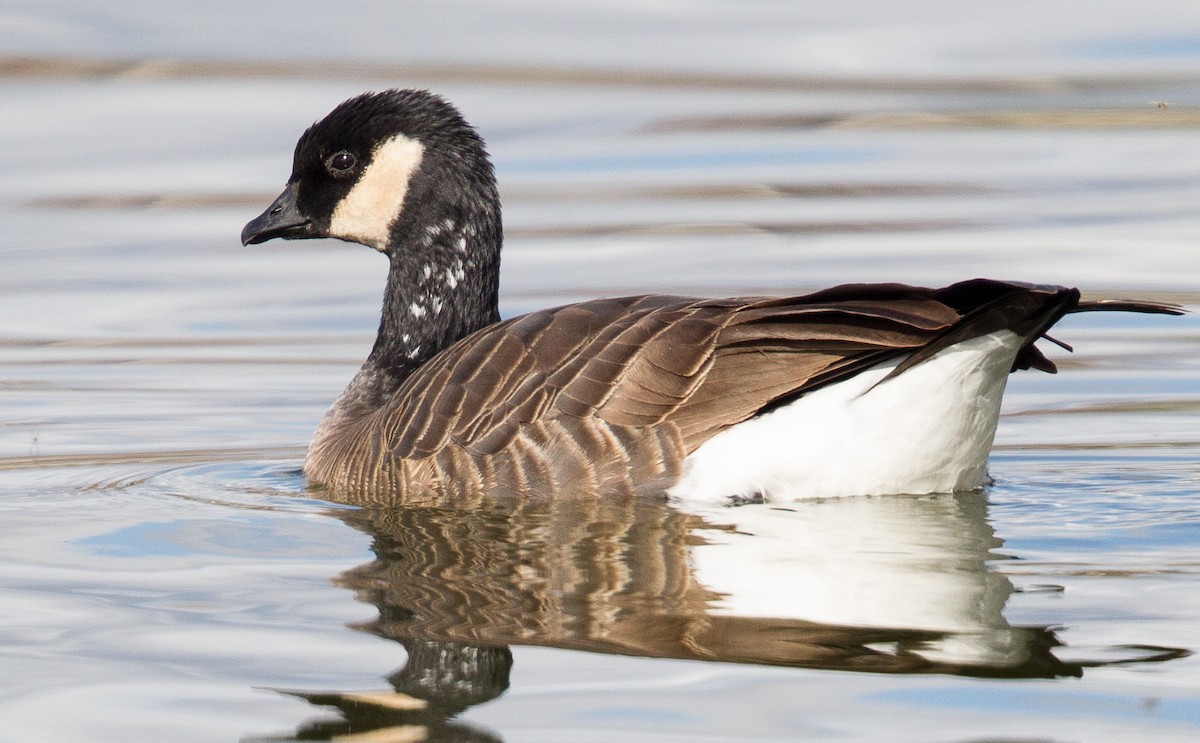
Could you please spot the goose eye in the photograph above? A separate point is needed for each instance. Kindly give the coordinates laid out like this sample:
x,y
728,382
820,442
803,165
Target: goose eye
x,y
340,163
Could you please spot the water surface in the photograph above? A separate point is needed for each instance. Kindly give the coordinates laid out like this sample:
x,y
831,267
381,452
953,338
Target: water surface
x,y
165,572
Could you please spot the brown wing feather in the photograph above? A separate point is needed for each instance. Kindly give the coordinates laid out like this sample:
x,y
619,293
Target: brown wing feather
x,y
479,392
643,361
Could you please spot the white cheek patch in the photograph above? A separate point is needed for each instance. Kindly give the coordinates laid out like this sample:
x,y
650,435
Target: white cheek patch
x,y
367,213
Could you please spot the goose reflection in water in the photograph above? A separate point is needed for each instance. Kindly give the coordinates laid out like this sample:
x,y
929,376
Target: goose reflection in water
x,y
880,584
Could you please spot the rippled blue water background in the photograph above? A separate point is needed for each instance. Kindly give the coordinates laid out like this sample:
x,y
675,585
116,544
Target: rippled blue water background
x,y
163,569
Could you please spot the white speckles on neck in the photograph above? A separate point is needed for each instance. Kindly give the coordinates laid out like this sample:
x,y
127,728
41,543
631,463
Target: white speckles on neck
x,y
451,278
437,229
367,213
417,310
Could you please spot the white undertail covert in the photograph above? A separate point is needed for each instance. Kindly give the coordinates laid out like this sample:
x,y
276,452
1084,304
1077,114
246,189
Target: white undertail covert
x,y
927,430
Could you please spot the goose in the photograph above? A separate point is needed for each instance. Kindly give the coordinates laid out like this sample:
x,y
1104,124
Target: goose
x,y
861,389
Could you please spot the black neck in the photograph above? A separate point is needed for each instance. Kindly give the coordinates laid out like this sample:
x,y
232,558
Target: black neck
x,y
443,284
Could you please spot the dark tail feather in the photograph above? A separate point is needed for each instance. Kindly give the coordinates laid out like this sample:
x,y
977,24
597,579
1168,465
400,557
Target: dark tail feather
x,y
1129,305
988,306
1032,358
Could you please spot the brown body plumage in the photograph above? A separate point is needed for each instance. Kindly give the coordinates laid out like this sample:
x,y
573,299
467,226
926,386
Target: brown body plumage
x,y
615,394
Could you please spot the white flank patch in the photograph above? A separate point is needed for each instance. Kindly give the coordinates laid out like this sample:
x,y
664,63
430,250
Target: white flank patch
x,y
367,213
929,430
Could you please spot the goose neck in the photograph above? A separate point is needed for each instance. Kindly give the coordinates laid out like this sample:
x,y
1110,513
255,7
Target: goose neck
x,y
439,290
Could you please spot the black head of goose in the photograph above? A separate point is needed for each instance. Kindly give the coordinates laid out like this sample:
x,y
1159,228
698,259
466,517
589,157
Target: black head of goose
x,y
858,389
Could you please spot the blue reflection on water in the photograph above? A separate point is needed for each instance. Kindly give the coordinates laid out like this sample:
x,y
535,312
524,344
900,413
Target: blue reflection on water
x,y
1049,701
1182,45
189,537
689,160
639,714
140,540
